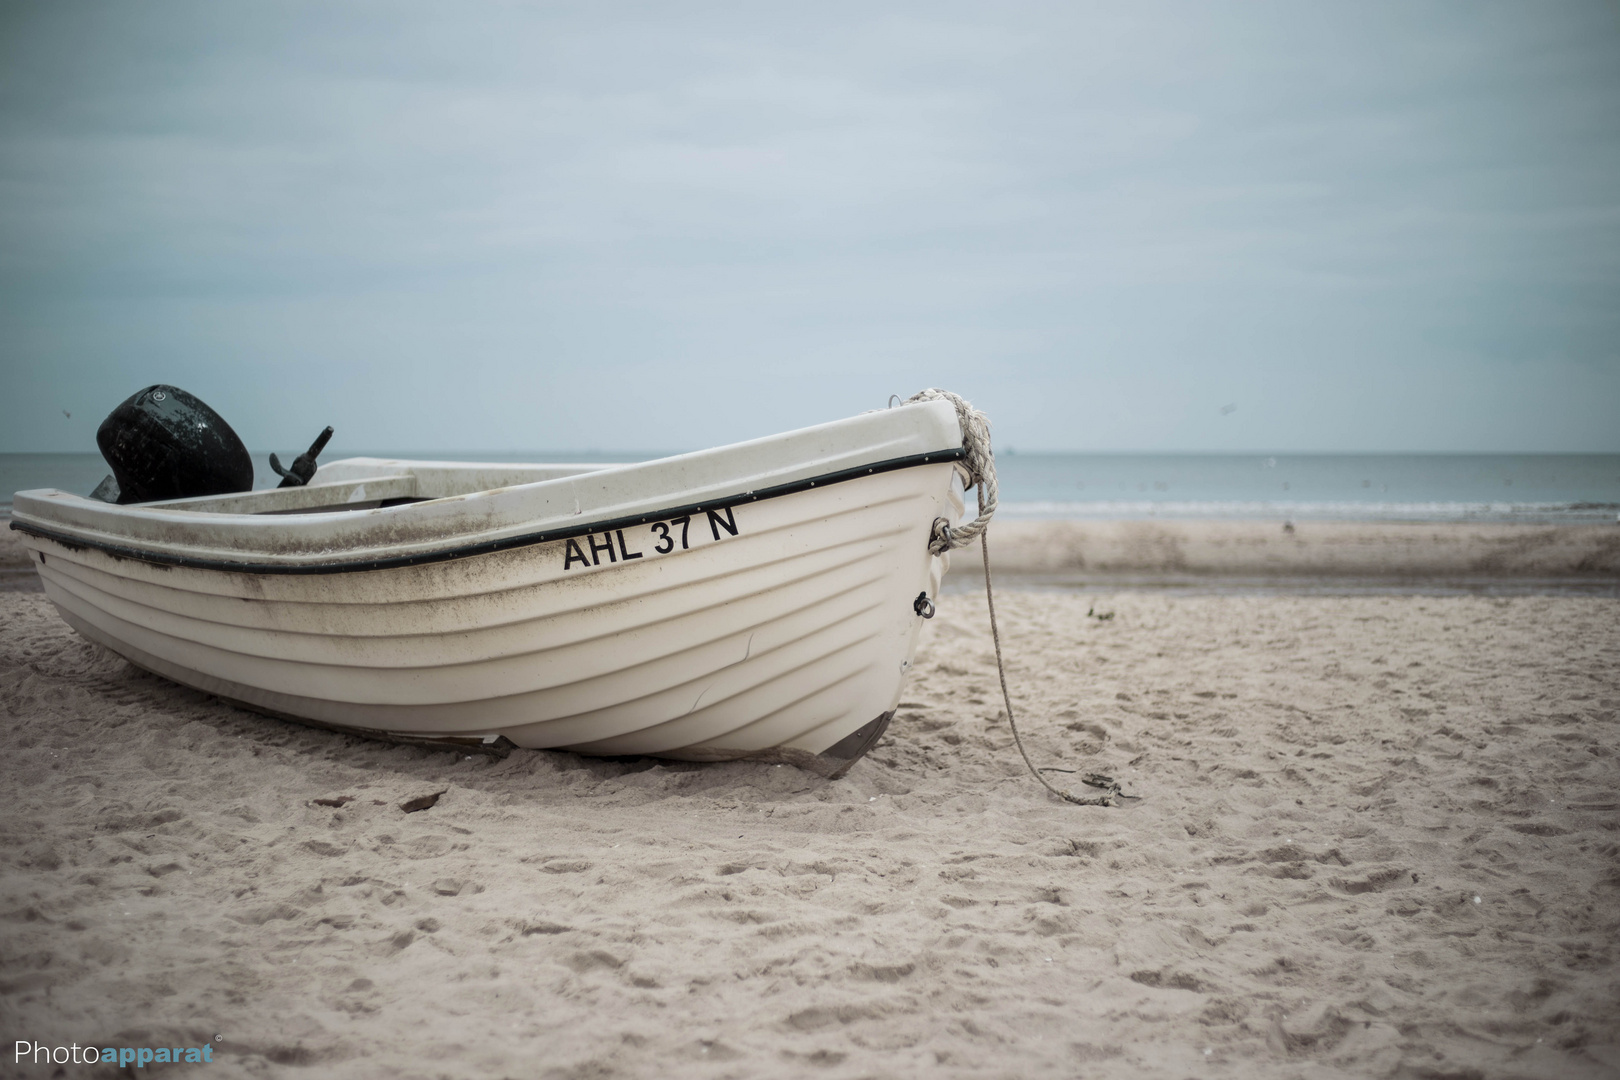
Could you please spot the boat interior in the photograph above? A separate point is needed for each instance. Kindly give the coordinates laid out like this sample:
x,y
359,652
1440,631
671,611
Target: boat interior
x,y
370,483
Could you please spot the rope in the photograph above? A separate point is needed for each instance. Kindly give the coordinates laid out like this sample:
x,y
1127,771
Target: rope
x,y
1096,780
981,465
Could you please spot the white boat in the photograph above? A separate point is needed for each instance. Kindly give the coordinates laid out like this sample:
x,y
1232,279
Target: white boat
x,y
756,600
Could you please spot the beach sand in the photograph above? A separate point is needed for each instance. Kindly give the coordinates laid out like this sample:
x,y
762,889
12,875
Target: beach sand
x,y
1373,836
1306,554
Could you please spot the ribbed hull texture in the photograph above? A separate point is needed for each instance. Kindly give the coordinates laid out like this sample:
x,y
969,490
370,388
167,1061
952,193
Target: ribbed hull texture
x,y
785,623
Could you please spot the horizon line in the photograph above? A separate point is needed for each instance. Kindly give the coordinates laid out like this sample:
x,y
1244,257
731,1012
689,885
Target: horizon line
x,y
560,454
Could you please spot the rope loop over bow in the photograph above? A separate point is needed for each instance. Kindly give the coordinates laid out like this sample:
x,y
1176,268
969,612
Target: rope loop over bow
x,y
981,467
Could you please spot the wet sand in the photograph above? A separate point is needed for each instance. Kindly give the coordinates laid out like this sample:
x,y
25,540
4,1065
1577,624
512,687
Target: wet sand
x,y
1307,555
1373,836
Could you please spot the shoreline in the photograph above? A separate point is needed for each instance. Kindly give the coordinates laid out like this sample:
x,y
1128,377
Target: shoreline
x,y
1305,557
1273,553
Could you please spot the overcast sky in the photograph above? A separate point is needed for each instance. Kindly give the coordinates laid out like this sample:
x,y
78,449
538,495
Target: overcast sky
x,y
500,226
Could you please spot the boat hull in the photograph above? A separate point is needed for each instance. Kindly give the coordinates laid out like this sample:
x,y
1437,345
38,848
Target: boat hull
x,y
780,626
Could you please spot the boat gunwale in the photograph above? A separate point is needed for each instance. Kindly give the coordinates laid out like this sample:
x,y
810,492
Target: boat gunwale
x,y
485,547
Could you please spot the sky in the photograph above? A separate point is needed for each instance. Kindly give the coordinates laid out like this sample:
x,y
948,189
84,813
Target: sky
x,y
1134,226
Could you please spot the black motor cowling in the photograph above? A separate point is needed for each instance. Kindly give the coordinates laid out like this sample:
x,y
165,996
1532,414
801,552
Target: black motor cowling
x,y
163,443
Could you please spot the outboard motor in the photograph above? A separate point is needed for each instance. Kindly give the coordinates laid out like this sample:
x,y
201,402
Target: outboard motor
x,y
163,443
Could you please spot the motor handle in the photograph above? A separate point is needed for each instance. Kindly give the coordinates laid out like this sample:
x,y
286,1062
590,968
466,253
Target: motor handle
x,y
303,466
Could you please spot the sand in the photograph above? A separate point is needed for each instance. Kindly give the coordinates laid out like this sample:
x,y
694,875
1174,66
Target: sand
x,y
1374,836
1307,554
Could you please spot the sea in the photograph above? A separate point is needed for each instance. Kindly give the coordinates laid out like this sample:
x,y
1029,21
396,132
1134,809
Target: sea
x,y
1572,489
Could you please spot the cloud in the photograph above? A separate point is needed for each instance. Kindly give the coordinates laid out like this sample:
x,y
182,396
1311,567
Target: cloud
x,y
439,224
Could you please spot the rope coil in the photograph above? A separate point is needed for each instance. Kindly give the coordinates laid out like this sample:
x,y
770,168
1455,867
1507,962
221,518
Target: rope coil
x,y
981,467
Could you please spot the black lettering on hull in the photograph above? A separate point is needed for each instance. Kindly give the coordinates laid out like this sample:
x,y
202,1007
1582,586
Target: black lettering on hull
x,y
728,523
660,537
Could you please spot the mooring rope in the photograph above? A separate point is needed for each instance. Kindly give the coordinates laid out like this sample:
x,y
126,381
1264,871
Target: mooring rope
x,y
1097,780
981,467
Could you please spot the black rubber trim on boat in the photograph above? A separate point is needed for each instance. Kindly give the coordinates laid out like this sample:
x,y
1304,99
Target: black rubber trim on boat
x,y
852,747
122,551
